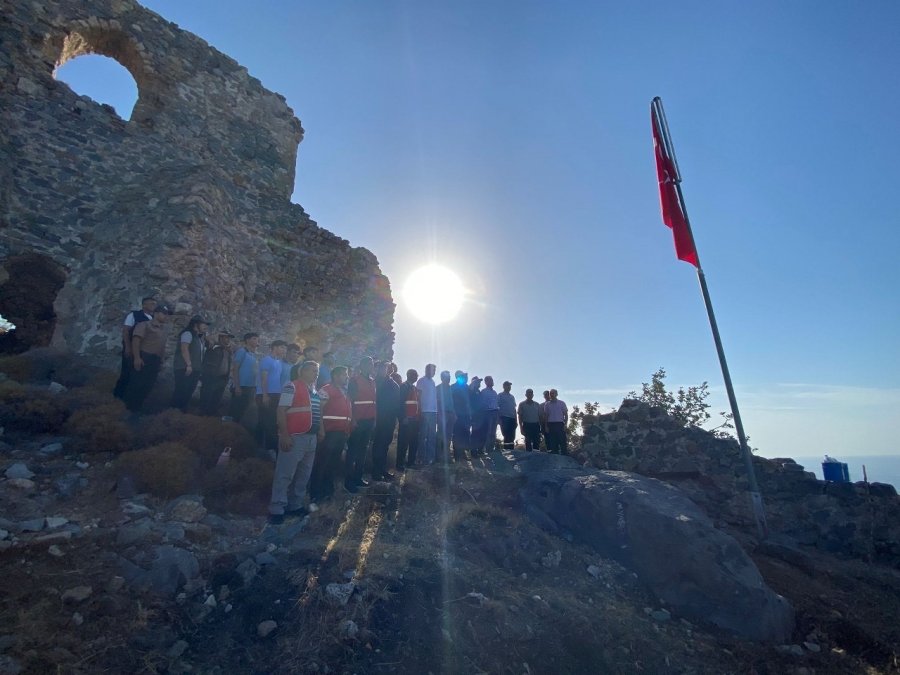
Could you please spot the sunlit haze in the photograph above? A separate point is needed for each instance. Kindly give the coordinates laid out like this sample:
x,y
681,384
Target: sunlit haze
x,y
433,294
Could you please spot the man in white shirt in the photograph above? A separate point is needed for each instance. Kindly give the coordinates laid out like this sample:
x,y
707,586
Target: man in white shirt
x,y
145,313
557,415
427,413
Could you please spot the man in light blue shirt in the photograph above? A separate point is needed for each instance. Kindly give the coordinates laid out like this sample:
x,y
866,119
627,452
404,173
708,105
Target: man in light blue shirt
x,y
244,374
268,392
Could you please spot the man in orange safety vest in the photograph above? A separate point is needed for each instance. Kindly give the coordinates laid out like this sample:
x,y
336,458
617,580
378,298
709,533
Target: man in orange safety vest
x,y
299,419
337,421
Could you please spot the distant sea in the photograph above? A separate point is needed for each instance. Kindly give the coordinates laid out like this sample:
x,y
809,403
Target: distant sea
x,y
879,468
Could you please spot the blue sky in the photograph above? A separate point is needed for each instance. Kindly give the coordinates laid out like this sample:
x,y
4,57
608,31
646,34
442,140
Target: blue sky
x,y
511,142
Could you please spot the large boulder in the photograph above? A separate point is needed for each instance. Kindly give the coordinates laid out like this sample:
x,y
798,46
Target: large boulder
x,y
649,526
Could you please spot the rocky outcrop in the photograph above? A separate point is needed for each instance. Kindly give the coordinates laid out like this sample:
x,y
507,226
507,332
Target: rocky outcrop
x,y
189,199
858,520
700,572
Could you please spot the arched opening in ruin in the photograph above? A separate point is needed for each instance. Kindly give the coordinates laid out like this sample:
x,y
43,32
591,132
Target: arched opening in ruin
x,y
29,285
102,62
103,79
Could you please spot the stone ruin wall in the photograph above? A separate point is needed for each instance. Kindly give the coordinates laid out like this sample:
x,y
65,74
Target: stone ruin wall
x,y
189,199
852,519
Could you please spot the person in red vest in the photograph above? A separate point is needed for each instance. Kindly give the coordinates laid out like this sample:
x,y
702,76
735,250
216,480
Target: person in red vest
x,y
361,390
408,436
299,420
337,420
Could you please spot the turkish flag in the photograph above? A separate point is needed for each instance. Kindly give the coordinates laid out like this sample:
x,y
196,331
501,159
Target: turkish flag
x,y
672,214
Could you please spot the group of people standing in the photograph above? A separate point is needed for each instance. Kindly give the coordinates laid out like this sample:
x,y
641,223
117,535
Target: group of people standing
x,y
210,360
322,421
354,413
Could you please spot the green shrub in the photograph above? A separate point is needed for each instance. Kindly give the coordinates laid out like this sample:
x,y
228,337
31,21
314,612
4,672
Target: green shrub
x,y
239,487
30,409
166,470
206,436
100,428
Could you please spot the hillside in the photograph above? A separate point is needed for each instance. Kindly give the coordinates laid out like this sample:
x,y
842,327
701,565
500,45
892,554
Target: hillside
x,y
445,570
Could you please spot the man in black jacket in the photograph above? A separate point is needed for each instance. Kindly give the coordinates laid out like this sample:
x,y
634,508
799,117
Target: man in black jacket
x,y
387,410
214,374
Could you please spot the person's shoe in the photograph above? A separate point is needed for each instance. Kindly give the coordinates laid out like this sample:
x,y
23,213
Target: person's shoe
x,y
276,519
387,476
296,513
351,489
362,482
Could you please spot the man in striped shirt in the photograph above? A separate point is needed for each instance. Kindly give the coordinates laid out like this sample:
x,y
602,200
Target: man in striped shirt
x,y
296,451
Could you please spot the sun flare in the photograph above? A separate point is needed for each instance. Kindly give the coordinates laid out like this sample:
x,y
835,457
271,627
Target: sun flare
x,y
434,294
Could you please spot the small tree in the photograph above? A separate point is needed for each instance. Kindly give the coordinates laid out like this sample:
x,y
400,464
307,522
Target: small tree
x,y
688,406
578,414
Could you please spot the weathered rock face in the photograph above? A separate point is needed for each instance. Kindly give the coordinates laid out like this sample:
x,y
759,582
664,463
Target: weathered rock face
x,y
856,520
189,199
652,528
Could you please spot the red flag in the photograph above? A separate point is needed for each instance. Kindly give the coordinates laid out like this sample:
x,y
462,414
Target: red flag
x,y
672,214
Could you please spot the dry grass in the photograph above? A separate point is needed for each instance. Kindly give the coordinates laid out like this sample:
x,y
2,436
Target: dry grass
x,y
82,398
206,436
166,470
46,363
100,428
17,367
241,487
29,409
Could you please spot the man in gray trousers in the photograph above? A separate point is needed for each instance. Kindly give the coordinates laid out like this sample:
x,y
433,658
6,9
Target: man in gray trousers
x,y
299,419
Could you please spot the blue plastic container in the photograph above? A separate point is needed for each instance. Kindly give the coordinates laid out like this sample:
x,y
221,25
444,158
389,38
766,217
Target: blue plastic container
x,y
836,472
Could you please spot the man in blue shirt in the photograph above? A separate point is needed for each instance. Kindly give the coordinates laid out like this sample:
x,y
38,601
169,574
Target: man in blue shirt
x,y
268,392
244,373
325,369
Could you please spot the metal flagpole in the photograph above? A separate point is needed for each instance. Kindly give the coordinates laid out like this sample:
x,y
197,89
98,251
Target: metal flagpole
x,y
755,495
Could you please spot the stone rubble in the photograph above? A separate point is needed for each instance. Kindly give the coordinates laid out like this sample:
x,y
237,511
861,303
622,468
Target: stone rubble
x,y
850,519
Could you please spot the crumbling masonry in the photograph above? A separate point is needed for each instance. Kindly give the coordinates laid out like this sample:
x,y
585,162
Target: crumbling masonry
x,y
189,199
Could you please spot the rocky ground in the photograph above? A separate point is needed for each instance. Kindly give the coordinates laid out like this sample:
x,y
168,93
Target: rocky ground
x,y
436,572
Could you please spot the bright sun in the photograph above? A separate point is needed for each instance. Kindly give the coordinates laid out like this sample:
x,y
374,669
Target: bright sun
x,y
433,294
